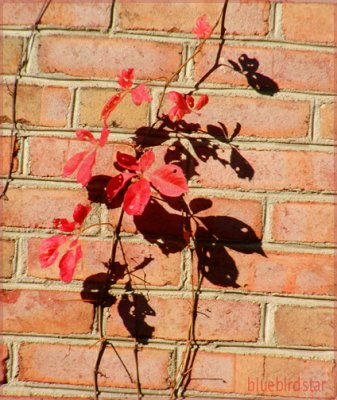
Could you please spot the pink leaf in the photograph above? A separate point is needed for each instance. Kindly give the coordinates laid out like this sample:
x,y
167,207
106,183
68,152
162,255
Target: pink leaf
x,y
125,78
111,105
136,197
64,225
146,160
141,93
73,163
85,172
128,162
83,134
48,251
169,180
203,100
68,263
117,183
104,136
202,29
80,213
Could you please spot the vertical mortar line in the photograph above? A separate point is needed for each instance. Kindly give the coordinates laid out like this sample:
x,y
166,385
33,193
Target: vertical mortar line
x,y
113,25
31,65
278,33
264,218
112,12
22,257
269,327
190,65
312,120
71,110
25,167
184,56
271,21
75,112
263,307
20,156
173,364
316,121
267,221
15,347
154,104
185,270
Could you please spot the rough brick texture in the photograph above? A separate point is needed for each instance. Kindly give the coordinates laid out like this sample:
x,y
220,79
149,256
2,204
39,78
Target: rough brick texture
x,y
253,238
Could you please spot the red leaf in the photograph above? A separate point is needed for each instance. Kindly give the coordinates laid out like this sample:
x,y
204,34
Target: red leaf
x,y
125,78
111,105
169,180
64,225
136,197
141,93
84,173
180,109
73,163
117,183
203,100
68,263
202,29
190,101
83,134
146,160
104,136
128,162
48,251
80,213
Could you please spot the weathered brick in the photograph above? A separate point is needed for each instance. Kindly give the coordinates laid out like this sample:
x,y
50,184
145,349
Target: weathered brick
x,y
37,105
7,253
220,218
304,326
36,208
3,358
274,272
242,18
87,56
73,365
327,114
147,263
317,22
271,170
5,144
291,69
303,222
126,114
26,311
11,47
93,14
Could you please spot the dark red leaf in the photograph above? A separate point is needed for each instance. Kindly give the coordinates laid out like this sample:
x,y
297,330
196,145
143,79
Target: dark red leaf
x,y
203,100
68,263
104,136
117,183
141,93
136,197
73,163
128,162
85,172
169,180
48,251
83,134
64,225
80,213
146,160
125,78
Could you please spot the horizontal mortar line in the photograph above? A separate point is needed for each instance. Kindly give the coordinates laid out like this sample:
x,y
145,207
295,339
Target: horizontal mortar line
x,y
176,293
167,344
84,82
26,182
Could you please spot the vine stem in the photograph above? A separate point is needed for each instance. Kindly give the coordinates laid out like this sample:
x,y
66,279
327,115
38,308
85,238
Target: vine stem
x,y
22,62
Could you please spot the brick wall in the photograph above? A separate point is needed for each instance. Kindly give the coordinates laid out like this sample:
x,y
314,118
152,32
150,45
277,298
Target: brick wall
x,y
265,312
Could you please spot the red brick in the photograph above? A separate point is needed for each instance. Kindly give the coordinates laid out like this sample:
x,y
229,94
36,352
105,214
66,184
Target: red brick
x,y
303,222
11,47
291,69
304,326
74,365
102,57
26,311
258,117
6,154
170,319
126,115
36,208
3,358
327,114
317,22
273,170
225,219
36,105
159,269
7,253
241,18
276,272
93,15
